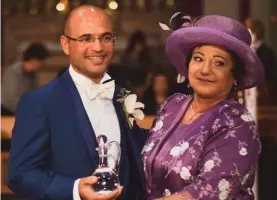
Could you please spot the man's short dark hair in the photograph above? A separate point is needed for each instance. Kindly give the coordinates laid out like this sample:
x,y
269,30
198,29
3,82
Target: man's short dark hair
x,y
35,51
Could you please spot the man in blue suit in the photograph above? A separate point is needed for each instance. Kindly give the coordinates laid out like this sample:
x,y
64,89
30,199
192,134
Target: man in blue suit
x,y
54,138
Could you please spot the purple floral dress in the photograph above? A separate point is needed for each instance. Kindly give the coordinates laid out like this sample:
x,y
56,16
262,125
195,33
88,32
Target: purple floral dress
x,y
214,157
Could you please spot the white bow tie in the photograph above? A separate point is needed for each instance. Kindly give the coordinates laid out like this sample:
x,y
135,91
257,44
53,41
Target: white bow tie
x,y
103,91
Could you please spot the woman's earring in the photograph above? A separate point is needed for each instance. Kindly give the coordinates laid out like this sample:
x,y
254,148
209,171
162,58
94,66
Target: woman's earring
x,y
180,78
235,85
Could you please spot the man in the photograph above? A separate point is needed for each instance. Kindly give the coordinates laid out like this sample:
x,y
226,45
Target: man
x,y
267,56
138,64
20,77
53,147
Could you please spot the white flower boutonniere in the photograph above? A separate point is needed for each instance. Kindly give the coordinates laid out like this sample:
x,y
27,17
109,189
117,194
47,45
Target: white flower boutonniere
x,y
131,107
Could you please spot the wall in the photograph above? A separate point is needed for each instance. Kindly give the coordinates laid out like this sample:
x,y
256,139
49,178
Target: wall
x,y
20,30
229,8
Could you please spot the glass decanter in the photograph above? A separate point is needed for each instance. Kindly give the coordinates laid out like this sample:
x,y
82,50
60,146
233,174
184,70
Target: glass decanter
x,y
108,179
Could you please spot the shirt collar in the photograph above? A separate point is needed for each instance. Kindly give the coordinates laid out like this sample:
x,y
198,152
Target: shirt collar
x,y
256,45
82,80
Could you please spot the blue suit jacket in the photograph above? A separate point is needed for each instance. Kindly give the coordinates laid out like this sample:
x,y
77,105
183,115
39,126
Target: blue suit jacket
x,y
53,144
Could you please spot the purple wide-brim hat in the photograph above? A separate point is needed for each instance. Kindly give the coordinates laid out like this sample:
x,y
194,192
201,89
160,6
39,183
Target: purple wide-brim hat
x,y
220,31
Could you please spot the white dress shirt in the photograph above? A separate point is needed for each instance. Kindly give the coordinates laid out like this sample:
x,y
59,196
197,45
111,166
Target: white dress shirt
x,y
101,114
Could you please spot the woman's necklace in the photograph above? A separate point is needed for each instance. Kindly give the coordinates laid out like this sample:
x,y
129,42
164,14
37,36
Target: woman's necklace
x,y
193,112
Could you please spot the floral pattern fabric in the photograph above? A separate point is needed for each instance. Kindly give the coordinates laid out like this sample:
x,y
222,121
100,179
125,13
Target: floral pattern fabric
x,y
214,157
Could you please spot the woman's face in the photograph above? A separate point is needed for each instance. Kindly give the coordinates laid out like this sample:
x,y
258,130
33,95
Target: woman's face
x,y
139,47
211,72
160,85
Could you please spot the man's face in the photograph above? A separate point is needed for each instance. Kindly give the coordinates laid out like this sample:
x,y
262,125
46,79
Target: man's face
x,y
89,56
32,65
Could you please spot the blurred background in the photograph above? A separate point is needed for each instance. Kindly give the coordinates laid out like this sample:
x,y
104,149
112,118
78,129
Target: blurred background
x,y
139,62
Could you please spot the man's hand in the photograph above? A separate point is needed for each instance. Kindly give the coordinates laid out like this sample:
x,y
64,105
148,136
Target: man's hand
x,y
86,192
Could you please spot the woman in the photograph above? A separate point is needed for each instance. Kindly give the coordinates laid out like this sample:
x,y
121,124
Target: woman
x,y
157,93
206,146
137,63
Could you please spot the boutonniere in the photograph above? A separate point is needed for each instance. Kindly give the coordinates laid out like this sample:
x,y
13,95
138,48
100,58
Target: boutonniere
x,y
131,107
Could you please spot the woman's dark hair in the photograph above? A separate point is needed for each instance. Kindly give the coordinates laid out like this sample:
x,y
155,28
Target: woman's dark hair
x,y
238,71
137,37
35,51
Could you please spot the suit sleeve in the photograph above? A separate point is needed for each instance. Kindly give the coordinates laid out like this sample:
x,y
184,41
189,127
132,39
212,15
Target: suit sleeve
x,y
141,135
29,174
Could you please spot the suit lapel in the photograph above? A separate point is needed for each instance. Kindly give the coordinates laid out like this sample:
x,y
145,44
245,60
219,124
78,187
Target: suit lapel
x,y
123,168
128,142
81,117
